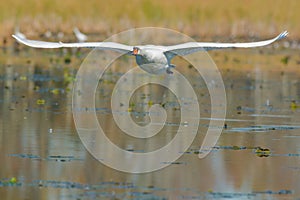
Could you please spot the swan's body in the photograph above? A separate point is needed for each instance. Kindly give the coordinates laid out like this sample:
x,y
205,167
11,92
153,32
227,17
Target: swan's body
x,y
152,58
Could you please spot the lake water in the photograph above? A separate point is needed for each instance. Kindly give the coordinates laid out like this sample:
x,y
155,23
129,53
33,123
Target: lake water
x,y
256,157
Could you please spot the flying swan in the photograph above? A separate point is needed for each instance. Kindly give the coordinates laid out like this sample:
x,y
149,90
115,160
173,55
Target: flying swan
x,y
151,58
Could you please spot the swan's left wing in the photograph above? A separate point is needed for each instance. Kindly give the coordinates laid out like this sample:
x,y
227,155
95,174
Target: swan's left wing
x,y
191,47
113,46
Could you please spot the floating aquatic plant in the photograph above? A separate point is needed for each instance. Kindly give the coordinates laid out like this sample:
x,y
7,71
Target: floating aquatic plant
x,y
40,101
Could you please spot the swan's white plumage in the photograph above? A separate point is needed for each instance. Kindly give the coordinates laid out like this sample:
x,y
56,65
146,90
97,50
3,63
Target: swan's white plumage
x,y
18,33
151,54
80,36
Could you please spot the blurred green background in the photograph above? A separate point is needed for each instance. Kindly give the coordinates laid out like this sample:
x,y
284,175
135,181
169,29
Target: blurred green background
x,y
196,18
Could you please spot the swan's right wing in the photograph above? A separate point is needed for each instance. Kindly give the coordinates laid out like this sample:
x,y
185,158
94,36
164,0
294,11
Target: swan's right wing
x,y
113,46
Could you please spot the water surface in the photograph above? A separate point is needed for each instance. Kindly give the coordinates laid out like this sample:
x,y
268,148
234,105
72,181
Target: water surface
x,y
256,157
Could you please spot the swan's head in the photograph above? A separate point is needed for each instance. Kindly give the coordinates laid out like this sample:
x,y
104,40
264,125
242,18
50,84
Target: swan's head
x,y
136,51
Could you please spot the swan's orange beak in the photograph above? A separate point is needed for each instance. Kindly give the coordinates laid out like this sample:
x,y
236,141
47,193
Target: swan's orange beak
x,y
135,51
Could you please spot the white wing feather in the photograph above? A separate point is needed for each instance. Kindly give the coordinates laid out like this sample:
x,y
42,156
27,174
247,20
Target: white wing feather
x,y
169,51
101,45
191,47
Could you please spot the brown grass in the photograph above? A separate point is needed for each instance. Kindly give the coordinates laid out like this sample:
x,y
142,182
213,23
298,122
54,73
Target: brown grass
x,y
196,18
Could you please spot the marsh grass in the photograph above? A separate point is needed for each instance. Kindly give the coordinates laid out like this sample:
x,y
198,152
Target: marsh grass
x,y
196,18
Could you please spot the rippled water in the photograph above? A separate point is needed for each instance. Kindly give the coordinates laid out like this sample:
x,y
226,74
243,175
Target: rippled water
x,y
256,157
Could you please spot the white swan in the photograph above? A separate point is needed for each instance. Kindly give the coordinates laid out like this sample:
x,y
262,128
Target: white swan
x,y
80,36
152,58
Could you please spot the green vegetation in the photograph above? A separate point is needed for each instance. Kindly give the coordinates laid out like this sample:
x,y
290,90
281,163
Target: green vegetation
x,y
200,18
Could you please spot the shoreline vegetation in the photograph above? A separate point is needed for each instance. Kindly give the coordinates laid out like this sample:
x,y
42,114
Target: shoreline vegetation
x,y
199,19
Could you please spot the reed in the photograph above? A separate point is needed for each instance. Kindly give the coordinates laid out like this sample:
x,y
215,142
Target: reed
x,y
199,18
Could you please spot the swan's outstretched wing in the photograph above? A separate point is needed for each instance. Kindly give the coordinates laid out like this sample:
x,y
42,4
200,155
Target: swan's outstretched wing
x,y
191,47
101,45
